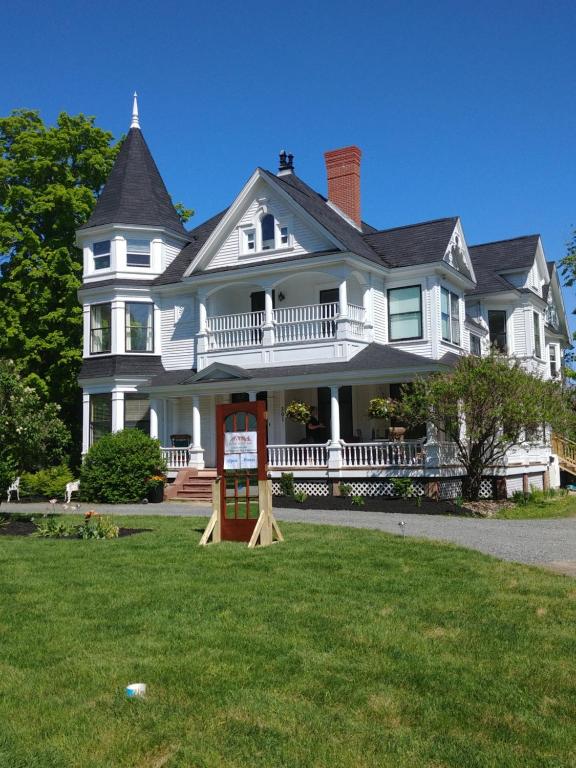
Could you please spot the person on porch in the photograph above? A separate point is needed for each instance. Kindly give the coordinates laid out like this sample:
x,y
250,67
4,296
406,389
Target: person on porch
x,y
314,429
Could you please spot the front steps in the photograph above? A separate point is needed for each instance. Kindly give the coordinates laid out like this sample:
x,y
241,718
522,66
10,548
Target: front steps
x,y
191,485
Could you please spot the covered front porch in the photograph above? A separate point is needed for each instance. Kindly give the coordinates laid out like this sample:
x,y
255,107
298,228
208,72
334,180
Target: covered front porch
x,y
348,442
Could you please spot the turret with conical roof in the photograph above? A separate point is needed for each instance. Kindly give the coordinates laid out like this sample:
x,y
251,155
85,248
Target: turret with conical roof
x,y
134,192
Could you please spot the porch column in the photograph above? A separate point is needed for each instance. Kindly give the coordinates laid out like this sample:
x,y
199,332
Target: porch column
x,y
252,396
154,409
85,422
368,304
196,451
334,449
432,448
342,324
202,336
268,327
117,410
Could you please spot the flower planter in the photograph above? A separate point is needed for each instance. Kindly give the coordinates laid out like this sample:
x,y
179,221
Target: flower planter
x,y
156,494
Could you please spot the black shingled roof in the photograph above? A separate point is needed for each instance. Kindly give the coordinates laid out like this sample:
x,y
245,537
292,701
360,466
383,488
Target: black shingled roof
x,y
116,365
134,192
373,357
491,259
413,244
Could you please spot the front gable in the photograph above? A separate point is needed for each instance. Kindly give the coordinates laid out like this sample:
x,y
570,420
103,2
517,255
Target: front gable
x,y
457,254
242,237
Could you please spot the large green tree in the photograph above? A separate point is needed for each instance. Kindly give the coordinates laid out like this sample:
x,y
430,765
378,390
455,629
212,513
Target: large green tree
x,y
50,177
486,406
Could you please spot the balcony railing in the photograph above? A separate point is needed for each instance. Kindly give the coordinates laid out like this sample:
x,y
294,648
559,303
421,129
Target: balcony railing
x,y
231,331
310,322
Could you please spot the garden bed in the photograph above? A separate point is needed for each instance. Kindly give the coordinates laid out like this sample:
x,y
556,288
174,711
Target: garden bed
x,y
25,526
410,506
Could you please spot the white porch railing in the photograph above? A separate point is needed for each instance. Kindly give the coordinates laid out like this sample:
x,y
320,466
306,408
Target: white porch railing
x,y
310,322
176,458
383,454
231,331
356,316
298,455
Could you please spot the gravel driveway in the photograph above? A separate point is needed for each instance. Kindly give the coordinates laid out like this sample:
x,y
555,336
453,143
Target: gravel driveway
x,y
551,542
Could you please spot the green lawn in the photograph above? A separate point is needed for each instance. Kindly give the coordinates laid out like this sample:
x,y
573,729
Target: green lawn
x,y
337,648
556,506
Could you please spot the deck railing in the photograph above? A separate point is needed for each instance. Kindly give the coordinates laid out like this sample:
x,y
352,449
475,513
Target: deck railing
x,y
356,316
176,458
310,322
383,454
232,331
297,455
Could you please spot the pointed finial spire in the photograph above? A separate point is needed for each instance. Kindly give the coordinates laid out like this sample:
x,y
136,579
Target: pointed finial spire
x,y
135,120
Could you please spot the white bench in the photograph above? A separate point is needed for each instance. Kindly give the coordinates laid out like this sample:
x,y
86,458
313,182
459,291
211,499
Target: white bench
x,y
71,488
14,488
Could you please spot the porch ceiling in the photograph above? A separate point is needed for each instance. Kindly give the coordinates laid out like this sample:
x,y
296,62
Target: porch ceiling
x,y
376,361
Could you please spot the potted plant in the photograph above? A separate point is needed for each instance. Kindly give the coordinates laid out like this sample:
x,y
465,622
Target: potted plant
x,y
298,412
385,408
155,489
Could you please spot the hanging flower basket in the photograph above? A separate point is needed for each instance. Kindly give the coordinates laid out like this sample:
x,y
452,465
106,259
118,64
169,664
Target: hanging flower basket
x,y
381,408
297,411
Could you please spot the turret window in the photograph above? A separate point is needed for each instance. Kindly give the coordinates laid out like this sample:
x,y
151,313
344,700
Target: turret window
x,y
139,327
100,326
138,253
102,254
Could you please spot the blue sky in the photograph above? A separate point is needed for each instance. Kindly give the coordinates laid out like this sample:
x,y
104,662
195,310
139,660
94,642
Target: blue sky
x,y
459,108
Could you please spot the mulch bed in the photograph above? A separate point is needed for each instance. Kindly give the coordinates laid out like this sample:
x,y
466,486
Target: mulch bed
x,y
25,527
376,504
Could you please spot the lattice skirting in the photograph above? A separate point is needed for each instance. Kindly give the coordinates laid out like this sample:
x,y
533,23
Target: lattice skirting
x,y
383,488
310,487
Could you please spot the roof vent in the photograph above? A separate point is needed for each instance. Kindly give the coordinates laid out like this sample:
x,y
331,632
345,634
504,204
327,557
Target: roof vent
x,y
286,163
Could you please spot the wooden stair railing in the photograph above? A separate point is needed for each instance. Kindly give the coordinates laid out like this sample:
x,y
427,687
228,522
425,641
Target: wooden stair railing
x,y
565,449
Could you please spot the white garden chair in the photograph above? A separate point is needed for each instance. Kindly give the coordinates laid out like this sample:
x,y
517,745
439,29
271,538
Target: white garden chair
x,y
71,488
14,488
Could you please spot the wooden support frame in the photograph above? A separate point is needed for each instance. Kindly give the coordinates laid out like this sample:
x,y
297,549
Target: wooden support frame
x,y
213,532
266,531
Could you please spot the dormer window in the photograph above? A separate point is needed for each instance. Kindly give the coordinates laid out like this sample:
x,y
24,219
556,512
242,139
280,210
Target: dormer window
x,y
137,253
284,235
102,254
251,240
268,226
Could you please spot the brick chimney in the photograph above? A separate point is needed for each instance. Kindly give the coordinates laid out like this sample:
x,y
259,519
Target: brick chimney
x,y
343,171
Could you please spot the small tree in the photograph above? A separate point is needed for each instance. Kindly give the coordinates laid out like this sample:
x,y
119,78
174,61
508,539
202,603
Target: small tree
x,y
485,406
119,468
32,435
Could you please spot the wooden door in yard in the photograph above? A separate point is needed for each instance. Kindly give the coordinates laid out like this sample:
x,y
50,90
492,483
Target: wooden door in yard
x,y
241,463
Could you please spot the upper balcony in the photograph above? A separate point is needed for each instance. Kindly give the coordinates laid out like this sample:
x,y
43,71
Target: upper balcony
x,y
278,326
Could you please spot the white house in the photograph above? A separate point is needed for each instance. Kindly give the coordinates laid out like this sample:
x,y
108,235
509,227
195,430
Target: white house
x,y
290,295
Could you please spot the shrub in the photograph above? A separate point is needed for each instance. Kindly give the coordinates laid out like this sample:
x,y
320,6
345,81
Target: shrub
x,y
49,482
345,489
287,484
117,469
358,501
402,486
51,528
300,496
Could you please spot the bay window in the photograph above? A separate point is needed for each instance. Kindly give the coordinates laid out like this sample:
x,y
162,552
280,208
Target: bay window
x,y
405,313
100,328
450,316
137,412
100,416
139,327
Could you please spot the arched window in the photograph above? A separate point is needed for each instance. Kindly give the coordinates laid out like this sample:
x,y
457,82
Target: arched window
x,y
268,235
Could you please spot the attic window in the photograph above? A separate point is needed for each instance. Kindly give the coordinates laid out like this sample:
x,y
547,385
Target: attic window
x,y
102,254
138,253
251,240
284,235
268,226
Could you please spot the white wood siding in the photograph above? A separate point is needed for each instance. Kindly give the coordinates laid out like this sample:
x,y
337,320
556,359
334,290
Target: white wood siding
x,y
380,314
517,325
304,239
170,251
178,338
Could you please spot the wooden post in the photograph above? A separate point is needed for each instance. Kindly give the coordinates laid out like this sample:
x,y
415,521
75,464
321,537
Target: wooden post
x,y
266,531
546,480
213,529
433,489
525,484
